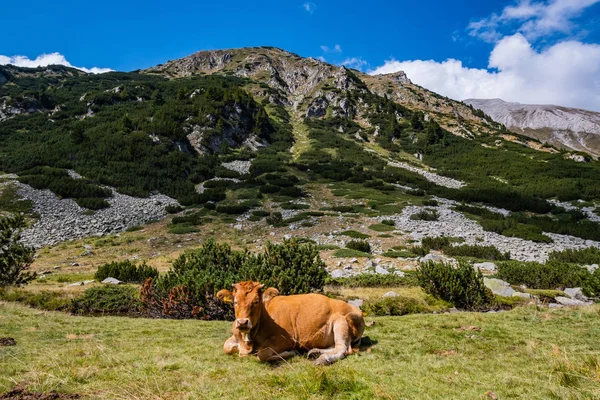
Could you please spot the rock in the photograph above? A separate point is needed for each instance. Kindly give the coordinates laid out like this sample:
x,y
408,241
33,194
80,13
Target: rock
x,y
88,247
56,267
237,227
353,260
381,270
112,281
75,264
356,303
499,287
338,273
521,295
565,301
575,293
453,310
486,266
433,257
391,293
555,305
399,273
592,268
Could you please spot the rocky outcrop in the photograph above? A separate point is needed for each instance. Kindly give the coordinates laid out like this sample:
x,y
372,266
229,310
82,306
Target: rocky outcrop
x,y
63,219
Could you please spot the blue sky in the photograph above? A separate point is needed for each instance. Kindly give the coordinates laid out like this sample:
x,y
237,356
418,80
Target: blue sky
x,y
373,36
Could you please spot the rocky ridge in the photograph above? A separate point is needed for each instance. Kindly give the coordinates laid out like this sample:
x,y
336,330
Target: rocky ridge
x,y
562,126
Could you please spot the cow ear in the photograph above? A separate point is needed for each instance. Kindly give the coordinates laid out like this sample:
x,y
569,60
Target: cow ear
x,y
225,296
269,294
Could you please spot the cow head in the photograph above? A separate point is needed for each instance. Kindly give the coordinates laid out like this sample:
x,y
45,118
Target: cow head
x,y
248,299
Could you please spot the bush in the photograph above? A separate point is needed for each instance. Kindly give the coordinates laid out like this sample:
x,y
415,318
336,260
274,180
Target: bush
x,y
275,218
15,258
188,289
173,209
354,234
590,255
425,215
430,203
44,300
381,227
437,243
374,280
359,245
389,222
461,286
108,299
126,271
552,275
483,252
234,209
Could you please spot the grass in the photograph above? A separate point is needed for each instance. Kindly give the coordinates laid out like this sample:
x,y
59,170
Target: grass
x,y
381,228
343,253
354,234
524,353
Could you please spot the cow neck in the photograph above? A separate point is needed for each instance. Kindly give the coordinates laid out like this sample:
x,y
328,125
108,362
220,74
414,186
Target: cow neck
x,y
262,321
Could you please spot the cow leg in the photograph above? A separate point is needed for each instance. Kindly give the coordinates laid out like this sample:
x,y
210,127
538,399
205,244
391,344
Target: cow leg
x,y
231,346
341,336
268,354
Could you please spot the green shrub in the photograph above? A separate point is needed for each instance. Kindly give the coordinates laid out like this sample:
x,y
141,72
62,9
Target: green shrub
x,y
188,289
462,286
275,218
107,299
430,203
399,254
126,271
389,222
552,275
92,203
234,209
345,253
483,252
260,213
435,243
173,209
354,234
181,229
374,280
359,245
15,258
425,215
295,206
381,227
395,306
590,255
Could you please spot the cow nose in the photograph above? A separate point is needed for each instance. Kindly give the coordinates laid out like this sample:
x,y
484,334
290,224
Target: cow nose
x,y
242,322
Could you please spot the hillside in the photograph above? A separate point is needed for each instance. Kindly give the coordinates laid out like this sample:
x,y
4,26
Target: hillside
x,y
259,130
563,127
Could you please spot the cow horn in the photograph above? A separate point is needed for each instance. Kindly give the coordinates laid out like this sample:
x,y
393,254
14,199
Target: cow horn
x,y
261,286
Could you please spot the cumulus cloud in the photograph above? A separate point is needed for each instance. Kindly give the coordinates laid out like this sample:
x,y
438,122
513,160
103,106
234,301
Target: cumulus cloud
x,y
335,49
567,73
354,62
532,19
309,7
47,59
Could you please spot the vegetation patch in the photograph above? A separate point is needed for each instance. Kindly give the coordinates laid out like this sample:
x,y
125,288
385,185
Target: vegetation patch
x,y
348,253
354,234
382,227
374,280
425,215
359,245
107,299
126,271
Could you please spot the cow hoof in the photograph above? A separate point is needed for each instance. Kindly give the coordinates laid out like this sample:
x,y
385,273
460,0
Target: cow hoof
x,y
323,360
314,353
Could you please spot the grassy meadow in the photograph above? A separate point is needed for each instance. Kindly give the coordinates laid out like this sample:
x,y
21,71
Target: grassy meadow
x,y
525,353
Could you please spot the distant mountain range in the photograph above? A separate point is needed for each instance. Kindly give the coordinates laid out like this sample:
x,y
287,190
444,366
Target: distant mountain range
x,y
563,127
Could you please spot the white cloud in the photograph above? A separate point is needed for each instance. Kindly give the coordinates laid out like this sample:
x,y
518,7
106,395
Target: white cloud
x,y
47,59
534,19
309,7
566,73
354,62
335,49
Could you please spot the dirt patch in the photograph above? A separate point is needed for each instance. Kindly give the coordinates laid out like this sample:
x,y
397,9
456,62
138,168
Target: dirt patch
x,y
20,392
7,341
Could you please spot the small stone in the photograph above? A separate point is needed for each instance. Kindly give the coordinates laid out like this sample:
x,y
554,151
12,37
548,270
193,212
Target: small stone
x,y
356,303
338,273
486,266
391,293
353,260
75,264
112,281
399,273
237,227
381,271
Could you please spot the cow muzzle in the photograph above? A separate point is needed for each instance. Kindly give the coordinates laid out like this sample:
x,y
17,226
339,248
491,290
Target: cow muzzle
x,y
243,324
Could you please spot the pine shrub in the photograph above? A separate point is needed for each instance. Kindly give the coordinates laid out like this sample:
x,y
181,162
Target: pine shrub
x,y
360,245
108,299
15,258
462,286
126,271
188,289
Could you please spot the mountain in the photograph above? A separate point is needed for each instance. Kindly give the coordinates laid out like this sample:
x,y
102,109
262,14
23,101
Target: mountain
x,y
236,131
563,127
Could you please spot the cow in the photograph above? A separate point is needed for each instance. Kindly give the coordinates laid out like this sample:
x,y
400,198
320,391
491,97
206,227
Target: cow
x,y
277,327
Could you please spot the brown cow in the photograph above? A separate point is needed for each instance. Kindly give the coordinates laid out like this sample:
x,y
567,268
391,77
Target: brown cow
x,y
277,327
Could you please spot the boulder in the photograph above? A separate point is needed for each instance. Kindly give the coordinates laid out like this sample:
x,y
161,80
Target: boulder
x,y
522,295
338,273
399,273
486,266
565,301
391,293
499,287
356,303
112,281
381,270
575,293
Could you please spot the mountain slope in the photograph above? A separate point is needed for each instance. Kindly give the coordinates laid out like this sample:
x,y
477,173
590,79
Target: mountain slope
x,y
564,127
